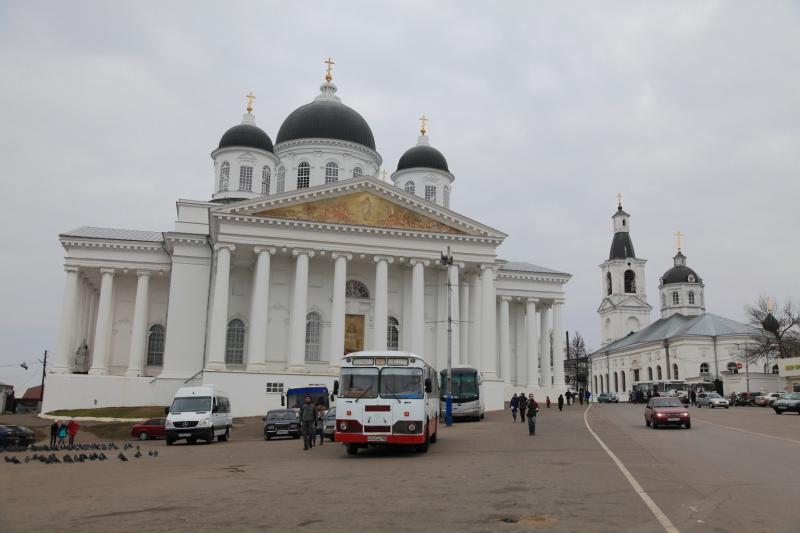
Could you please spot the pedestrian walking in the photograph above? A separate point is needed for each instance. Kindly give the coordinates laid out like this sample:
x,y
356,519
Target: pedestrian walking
x,y
308,419
580,397
72,430
560,402
570,398
514,404
53,433
693,397
321,423
523,406
588,397
547,401
62,435
533,409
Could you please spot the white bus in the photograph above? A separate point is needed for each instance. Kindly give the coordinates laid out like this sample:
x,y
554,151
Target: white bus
x,y
466,390
386,398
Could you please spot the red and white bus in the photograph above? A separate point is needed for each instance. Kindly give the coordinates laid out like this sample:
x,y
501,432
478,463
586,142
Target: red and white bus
x,y
386,398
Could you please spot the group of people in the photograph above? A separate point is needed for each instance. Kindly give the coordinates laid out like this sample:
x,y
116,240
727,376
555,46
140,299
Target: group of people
x,y
528,408
312,423
61,431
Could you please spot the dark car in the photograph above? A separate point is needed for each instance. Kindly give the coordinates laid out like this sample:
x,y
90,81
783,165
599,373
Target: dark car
x,y
150,429
607,397
16,436
282,423
747,398
329,424
666,411
789,403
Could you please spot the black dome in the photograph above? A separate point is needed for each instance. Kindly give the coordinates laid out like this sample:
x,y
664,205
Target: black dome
x,y
680,274
246,135
621,246
423,157
326,120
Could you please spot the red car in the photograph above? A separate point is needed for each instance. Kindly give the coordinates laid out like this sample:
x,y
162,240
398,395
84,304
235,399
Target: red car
x,y
662,411
150,429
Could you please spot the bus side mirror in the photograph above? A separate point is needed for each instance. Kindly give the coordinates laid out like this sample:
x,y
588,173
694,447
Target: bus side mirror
x,y
283,400
335,388
428,385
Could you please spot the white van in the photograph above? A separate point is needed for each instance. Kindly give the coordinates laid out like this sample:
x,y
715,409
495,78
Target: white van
x,y
199,413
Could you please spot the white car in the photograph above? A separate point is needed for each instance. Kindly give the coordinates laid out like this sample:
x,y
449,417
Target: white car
x,y
712,400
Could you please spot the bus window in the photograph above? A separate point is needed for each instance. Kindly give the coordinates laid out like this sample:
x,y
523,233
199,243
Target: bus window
x,y
359,383
403,383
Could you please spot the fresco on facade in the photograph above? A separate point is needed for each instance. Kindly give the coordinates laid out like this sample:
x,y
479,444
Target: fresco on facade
x,y
353,333
361,209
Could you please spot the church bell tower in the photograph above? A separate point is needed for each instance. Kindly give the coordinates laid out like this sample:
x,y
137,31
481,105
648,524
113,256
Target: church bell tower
x,y
624,308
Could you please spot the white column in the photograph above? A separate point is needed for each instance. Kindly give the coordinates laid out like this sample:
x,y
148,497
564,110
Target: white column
x,y
464,323
259,309
505,339
544,346
66,342
218,324
488,323
476,311
458,359
338,309
102,336
558,345
80,312
519,357
532,342
297,322
418,306
139,326
381,311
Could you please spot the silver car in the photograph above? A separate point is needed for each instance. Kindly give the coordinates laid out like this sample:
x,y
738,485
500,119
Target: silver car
x,y
712,400
329,424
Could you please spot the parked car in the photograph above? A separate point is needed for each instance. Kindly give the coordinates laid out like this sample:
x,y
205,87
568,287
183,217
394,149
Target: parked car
x,y
767,399
16,436
712,400
607,397
747,398
155,428
282,423
329,424
790,402
664,411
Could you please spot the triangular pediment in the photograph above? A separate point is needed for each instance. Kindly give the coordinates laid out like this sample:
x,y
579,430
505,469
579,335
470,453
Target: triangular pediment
x,y
361,202
628,301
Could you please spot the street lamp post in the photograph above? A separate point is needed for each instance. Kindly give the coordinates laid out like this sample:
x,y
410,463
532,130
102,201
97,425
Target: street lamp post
x,y
447,261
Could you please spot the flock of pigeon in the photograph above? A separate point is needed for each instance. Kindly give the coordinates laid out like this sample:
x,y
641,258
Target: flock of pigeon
x,y
96,452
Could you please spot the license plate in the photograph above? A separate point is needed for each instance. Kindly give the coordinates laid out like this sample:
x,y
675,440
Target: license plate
x,y
283,432
674,419
376,438
184,435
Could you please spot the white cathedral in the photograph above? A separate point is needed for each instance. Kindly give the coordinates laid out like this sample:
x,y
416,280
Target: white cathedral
x,y
301,255
686,343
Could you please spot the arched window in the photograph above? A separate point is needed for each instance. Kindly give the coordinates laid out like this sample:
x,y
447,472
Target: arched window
x,y
635,375
265,180
279,187
732,368
691,297
447,196
774,369
357,172
649,373
676,299
658,372
430,193
224,176
303,175
245,178
410,187
624,387
608,283
663,300
703,369
616,382
234,343
312,336
155,346
356,290
675,371
393,334
331,172
630,281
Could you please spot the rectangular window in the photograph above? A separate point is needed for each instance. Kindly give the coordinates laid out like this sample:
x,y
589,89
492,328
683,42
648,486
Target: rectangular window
x,y
430,193
245,178
275,388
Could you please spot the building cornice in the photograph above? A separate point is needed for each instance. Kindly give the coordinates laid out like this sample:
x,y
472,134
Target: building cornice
x,y
111,244
295,144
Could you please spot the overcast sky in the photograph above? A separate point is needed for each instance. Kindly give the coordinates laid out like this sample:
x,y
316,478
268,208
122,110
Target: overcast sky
x,y
545,111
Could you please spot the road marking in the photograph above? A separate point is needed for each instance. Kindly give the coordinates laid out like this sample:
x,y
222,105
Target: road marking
x,y
750,432
648,501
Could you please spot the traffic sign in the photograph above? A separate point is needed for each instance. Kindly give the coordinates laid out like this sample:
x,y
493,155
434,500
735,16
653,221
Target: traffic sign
x,y
738,365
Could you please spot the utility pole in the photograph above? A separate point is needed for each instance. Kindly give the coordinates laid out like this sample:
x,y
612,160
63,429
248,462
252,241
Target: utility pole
x,y
447,261
44,368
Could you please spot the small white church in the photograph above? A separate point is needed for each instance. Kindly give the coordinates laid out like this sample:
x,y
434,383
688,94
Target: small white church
x,y
301,254
686,343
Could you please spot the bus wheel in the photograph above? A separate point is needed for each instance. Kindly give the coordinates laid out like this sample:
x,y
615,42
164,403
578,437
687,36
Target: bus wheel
x,y
352,449
435,435
423,448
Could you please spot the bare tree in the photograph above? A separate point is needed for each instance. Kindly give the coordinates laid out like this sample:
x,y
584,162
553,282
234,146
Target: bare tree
x,y
576,367
780,329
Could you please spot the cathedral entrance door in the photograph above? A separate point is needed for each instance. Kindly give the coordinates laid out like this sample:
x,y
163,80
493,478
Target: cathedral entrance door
x,y
353,333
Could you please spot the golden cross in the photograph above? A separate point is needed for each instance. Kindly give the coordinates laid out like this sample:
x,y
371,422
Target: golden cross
x,y
619,200
423,120
328,75
678,235
250,97
770,304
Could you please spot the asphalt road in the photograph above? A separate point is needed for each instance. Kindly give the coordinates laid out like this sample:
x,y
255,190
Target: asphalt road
x,y
486,476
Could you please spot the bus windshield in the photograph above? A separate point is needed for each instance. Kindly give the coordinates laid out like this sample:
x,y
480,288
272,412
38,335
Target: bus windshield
x,y
405,383
465,386
359,383
190,404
